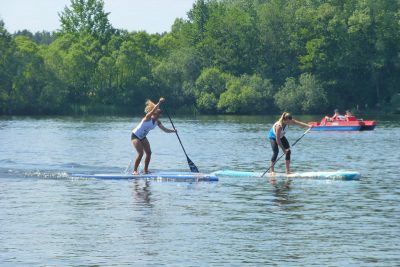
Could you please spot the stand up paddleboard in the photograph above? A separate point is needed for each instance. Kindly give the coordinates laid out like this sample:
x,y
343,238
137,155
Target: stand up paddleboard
x,y
334,175
162,176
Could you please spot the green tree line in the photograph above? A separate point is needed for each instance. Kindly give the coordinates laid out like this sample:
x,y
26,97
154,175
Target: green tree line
x,y
226,56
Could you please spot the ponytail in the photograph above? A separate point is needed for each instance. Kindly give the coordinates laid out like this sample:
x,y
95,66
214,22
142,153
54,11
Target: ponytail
x,y
285,116
149,105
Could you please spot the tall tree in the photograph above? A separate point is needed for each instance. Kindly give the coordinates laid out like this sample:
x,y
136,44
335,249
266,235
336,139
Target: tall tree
x,y
87,17
198,15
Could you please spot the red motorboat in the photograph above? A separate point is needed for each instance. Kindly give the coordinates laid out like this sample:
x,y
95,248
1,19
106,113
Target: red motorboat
x,y
348,123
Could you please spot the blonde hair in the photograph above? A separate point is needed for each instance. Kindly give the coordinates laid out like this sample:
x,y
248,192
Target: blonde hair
x,y
149,105
285,116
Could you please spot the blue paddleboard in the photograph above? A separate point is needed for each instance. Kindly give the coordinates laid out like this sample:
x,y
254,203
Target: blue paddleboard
x,y
335,175
175,176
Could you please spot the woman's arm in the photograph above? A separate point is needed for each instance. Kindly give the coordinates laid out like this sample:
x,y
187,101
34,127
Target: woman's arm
x,y
164,129
299,123
148,115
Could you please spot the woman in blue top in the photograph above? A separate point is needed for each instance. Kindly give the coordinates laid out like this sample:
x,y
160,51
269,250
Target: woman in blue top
x,y
277,138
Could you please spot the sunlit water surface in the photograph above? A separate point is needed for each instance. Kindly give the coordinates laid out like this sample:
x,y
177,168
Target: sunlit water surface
x,y
47,218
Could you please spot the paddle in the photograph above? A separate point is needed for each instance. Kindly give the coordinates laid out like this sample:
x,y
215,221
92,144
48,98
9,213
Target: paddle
x,y
295,142
192,166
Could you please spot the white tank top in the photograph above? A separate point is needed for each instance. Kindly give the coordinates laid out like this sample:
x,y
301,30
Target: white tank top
x,y
341,117
144,128
283,129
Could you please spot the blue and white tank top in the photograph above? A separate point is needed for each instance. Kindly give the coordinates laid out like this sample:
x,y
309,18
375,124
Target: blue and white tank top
x,y
144,127
272,131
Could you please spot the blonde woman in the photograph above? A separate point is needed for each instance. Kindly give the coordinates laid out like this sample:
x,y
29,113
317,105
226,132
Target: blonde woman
x,y
277,138
138,137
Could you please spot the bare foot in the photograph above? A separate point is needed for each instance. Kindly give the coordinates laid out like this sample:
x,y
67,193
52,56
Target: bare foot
x,y
289,172
135,173
272,173
146,172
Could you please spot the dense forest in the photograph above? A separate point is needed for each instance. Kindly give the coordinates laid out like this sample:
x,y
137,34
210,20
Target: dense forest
x,y
227,56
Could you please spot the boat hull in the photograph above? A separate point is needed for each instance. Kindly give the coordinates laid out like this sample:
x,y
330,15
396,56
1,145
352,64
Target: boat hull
x,y
351,124
336,128
368,125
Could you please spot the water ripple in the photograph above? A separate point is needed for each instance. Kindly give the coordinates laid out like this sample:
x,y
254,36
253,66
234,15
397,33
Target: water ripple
x,y
46,218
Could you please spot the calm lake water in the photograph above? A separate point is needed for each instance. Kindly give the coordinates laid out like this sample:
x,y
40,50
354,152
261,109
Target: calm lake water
x,y
47,218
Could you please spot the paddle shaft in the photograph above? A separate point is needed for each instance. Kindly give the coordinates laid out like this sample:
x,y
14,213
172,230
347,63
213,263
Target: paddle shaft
x,y
179,139
295,142
192,166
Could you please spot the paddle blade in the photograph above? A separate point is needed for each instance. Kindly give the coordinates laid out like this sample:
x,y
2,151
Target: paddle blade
x,y
192,167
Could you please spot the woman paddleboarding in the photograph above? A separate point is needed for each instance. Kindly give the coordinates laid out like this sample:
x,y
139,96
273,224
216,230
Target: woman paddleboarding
x,y
277,138
138,137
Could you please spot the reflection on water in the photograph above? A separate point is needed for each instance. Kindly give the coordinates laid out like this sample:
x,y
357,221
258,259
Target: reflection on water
x,y
142,193
281,190
46,219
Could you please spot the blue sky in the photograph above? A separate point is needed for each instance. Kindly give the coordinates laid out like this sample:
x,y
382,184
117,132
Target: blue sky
x,y
133,15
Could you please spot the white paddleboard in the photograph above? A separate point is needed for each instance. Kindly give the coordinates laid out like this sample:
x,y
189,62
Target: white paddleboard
x,y
335,175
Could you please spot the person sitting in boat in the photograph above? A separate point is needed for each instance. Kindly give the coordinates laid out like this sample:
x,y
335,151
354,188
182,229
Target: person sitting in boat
x,y
277,138
138,136
349,116
336,116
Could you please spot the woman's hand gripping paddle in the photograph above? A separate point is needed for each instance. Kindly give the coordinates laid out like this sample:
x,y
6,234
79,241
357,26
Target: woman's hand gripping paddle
x,y
192,166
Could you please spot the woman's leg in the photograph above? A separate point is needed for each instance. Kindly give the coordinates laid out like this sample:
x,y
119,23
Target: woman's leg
x,y
275,151
147,150
285,144
137,144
